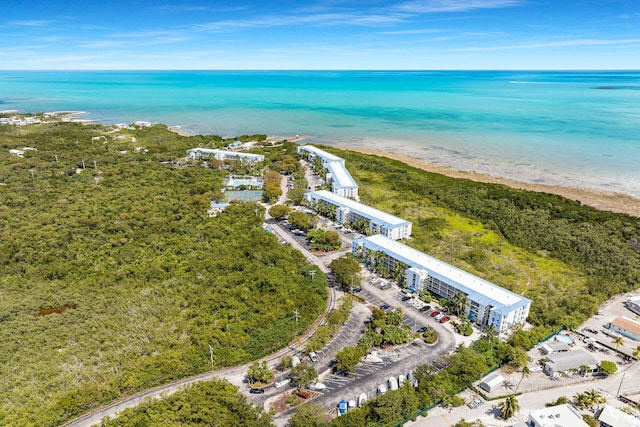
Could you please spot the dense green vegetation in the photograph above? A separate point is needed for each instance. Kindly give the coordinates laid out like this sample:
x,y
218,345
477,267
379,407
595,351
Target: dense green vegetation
x,y
213,403
138,279
114,279
564,256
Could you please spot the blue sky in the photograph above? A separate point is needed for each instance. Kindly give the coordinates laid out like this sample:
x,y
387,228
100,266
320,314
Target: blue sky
x,y
328,34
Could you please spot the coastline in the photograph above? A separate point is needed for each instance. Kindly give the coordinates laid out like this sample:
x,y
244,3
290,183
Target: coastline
x,y
598,199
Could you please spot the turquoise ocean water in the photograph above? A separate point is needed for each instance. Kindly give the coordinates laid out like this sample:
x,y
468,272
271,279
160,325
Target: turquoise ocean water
x,y
579,129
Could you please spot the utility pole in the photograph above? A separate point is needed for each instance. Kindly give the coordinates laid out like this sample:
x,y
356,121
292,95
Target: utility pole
x,y
211,353
56,156
95,165
297,314
620,386
83,166
312,273
33,178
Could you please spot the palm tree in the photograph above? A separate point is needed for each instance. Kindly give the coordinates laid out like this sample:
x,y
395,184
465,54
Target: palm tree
x,y
594,396
618,341
490,331
459,302
525,373
509,407
584,369
636,352
398,271
589,398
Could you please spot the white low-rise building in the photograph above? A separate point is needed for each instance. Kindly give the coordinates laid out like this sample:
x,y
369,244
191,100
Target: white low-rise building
x,y
342,183
348,210
625,327
207,153
557,416
487,303
16,152
311,153
612,417
572,361
633,304
492,382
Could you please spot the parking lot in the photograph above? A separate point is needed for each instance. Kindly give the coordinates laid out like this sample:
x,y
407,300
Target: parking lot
x,y
368,376
608,311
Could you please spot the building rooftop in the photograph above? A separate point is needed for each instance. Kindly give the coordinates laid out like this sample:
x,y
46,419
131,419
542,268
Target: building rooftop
x,y
358,207
493,380
557,416
478,289
341,175
571,360
225,153
628,324
616,418
321,153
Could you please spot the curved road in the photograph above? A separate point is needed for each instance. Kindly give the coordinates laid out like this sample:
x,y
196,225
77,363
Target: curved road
x,y
235,374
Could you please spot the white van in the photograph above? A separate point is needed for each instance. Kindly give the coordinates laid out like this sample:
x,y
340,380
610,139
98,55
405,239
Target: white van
x,y
313,356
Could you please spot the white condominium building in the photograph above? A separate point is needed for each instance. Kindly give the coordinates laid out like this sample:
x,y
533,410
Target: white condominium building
x,y
207,153
348,210
487,303
310,153
342,183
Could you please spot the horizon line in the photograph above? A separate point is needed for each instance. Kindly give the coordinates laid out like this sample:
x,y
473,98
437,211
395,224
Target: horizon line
x,y
317,69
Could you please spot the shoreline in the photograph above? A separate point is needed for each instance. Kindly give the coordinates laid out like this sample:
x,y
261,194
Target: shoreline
x,y
599,199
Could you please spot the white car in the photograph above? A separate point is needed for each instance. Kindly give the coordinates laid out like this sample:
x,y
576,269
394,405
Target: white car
x,y
382,389
393,383
401,379
282,383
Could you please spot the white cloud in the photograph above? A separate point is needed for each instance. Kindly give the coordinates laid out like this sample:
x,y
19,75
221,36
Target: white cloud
x,y
31,23
438,6
551,44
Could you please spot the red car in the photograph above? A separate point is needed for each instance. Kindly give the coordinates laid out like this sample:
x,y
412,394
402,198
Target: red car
x,y
445,319
435,313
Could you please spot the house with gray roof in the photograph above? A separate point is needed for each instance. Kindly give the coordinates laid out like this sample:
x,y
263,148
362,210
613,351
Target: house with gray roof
x,y
565,363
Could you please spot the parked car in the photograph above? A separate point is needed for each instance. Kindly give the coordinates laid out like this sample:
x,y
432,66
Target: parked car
x,y
445,319
256,391
406,298
425,308
385,307
593,331
314,357
435,313
401,379
439,317
422,330
393,383
282,383
317,386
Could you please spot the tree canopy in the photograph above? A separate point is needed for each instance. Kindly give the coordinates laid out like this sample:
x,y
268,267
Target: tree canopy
x,y
209,403
114,279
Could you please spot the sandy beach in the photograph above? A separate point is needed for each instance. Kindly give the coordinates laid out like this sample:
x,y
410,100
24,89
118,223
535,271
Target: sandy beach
x,y
599,199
